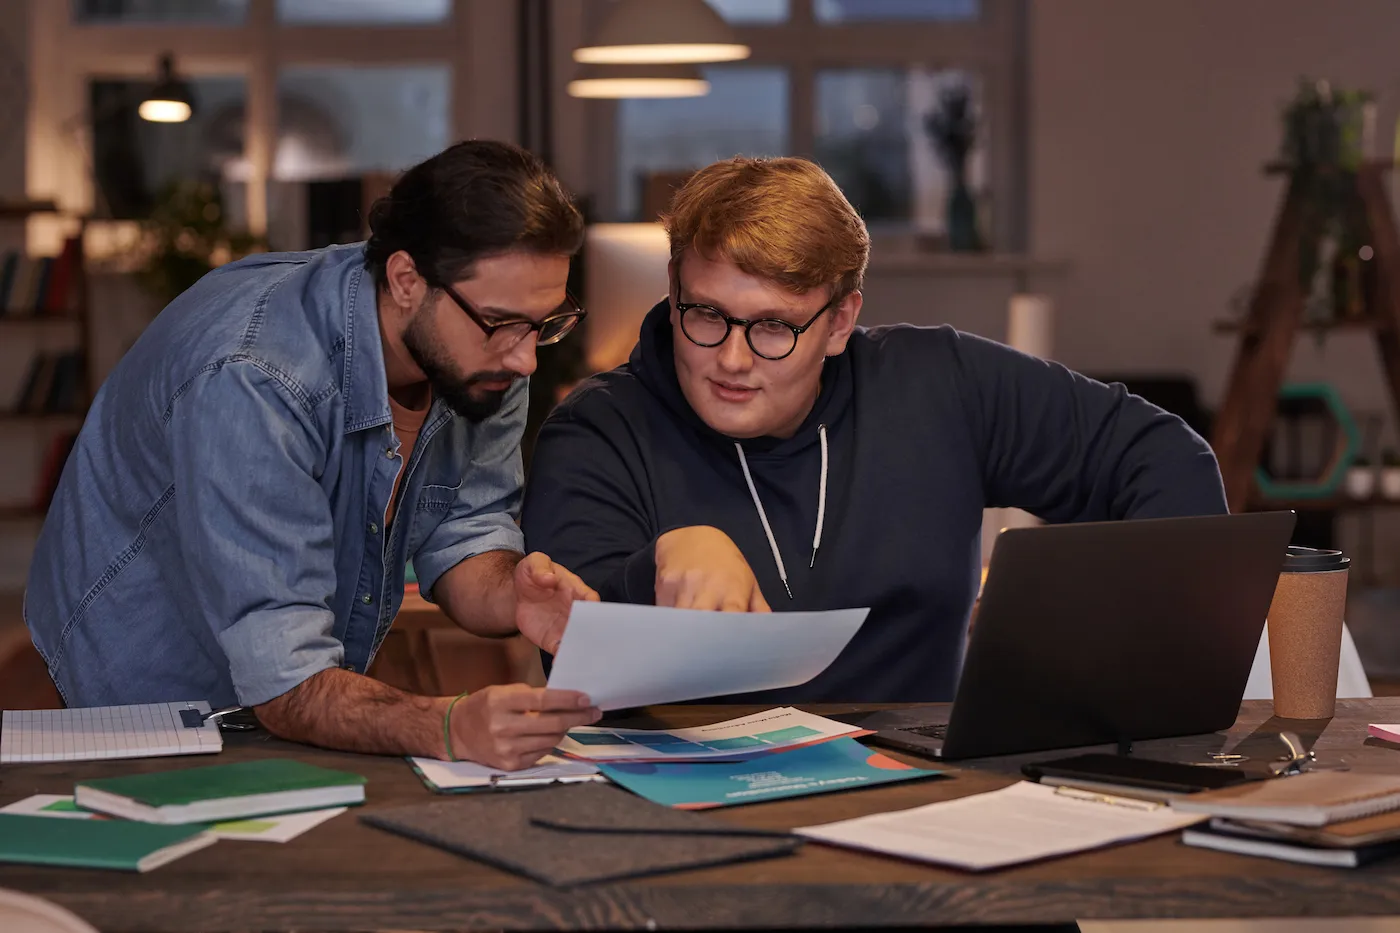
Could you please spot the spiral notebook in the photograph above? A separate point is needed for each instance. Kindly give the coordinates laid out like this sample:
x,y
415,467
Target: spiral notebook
x,y
1312,799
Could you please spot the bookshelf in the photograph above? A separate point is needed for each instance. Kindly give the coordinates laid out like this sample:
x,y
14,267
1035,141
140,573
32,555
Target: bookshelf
x,y
44,303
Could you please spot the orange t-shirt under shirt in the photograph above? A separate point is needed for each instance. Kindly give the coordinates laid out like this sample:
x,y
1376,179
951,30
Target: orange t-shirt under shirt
x,y
407,423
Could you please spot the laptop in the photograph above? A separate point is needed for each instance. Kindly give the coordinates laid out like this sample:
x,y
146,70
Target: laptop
x,y
1105,632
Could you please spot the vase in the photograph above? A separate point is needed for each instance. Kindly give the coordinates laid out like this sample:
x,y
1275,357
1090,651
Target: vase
x,y
1360,482
963,236
1390,482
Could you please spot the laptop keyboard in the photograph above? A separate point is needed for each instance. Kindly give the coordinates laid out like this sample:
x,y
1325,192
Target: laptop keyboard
x,y
935,731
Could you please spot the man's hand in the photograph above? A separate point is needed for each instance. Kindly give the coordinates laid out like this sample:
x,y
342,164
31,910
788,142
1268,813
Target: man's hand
x,y
501,726
513,726
701,568
544,594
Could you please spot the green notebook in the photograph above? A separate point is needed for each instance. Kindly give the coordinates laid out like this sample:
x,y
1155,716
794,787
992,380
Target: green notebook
x,y
221,792
116,844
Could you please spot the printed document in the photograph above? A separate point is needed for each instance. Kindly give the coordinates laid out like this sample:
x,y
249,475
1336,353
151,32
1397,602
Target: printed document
x,y
774,730
1019,823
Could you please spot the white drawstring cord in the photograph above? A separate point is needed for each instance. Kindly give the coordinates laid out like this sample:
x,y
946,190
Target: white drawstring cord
x,y
821,501
763,516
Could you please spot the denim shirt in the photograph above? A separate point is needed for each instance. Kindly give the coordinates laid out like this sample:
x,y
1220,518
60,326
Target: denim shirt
x,y
218,531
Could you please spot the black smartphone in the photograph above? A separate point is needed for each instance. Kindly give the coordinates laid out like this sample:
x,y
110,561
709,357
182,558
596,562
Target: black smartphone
x,y
1127,771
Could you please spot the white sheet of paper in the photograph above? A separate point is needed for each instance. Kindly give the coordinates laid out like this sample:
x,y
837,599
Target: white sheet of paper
x,y
624,655
450,775
1019,823
55,805
770,731
282,828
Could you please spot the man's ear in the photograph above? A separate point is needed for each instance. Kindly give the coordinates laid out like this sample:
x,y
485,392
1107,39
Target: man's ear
x,y
843,321
405,286
673,272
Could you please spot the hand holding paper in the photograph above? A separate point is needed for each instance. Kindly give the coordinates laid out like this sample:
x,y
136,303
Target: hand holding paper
x,y
511,726
623,655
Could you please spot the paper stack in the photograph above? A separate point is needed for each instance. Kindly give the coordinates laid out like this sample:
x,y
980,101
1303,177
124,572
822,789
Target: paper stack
x,y
1341,819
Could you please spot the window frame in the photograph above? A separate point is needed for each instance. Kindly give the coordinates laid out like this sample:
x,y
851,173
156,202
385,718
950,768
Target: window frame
x,y
477,42
991,46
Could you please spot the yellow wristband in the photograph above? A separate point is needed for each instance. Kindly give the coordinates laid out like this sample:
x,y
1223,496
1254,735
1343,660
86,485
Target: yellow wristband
x,y
447,726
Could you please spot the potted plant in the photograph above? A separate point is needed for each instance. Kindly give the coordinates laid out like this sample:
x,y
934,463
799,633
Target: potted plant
x,y
1390,474
1324,145
187,235
1360,482
953,130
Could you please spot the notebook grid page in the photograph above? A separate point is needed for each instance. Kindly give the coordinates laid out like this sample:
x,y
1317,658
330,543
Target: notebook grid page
x,y
104,732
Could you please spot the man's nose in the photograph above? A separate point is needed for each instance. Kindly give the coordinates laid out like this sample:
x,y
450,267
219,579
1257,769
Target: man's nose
x,y
735,355
521,358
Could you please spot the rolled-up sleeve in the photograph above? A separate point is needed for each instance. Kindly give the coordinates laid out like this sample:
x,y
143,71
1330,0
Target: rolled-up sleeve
x,y
255,525
483,516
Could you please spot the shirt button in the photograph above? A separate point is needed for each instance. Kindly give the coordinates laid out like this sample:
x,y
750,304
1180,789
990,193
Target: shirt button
x,y
367,599
389,453
373,528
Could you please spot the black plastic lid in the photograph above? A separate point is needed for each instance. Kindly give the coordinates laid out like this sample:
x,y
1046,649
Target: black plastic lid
x,y
1313,560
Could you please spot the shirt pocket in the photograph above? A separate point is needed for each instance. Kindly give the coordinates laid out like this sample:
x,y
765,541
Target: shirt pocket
x,y
438,497
434,501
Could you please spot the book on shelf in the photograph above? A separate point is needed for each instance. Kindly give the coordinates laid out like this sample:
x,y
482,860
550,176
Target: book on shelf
x,y
55,458
52,384
58,297
40,286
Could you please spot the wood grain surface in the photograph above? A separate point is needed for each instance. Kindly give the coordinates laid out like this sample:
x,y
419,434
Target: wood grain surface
x,y
344,875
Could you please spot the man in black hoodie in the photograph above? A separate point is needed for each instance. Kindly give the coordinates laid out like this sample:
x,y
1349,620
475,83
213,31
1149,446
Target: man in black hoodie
x,y
759,449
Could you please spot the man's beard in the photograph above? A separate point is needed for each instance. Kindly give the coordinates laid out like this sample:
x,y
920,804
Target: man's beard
x,y
459,392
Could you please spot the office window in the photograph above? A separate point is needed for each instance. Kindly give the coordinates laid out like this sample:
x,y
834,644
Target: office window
x,y
871,137
745,113
160,11
754,12
874,11
351,12
134,161
343,134
865,74
336,121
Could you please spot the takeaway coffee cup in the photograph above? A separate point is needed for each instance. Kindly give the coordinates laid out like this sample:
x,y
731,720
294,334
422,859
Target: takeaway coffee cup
x,y
1305,632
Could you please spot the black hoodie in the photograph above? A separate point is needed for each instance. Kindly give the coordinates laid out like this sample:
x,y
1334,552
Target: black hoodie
x,y
924,427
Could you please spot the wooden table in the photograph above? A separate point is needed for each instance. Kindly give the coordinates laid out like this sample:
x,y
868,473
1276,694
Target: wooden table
x,y
346,876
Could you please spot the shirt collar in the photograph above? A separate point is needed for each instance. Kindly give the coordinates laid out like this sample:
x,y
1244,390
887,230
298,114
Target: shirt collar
x,y
364,385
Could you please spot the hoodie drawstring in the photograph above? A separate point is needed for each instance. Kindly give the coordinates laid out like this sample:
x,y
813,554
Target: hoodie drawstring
x,y
821,501
763,516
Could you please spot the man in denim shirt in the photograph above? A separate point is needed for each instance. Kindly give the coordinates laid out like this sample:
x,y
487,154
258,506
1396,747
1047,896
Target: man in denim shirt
x,y
235,519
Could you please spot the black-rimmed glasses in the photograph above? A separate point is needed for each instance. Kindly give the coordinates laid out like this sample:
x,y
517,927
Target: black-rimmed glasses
x,y
769,338
506,334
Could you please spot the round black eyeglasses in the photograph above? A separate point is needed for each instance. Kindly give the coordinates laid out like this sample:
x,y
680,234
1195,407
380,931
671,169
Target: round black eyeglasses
x,y
769,338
